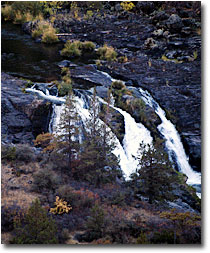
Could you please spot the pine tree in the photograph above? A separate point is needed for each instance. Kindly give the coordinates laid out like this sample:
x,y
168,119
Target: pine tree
x,y
68,130
35,227
154,174
98,163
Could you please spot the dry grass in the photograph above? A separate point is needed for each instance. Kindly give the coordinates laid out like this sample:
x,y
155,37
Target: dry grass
x,y
16,188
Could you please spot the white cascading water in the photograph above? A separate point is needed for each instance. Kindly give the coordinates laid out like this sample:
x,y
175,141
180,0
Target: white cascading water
x,y
173,142
135,133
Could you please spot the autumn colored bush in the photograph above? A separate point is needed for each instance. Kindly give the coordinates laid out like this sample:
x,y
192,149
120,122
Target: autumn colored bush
x,y
127,5
82,198
61,206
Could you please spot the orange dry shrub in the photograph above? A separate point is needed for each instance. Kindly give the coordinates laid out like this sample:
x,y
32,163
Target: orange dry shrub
x,y
61,207
45,141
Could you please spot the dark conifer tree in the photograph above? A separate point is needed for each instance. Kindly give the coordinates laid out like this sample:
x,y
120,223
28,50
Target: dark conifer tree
x,y
68,130
154,174
98,163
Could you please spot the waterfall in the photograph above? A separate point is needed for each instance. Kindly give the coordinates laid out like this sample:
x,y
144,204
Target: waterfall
x,y
135,133
173,142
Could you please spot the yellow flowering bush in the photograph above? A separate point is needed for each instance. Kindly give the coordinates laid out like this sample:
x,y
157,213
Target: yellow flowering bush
x,y
61,206
127,5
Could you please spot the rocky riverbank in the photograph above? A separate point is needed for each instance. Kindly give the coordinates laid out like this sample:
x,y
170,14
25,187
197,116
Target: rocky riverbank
x,y
163,50
161,44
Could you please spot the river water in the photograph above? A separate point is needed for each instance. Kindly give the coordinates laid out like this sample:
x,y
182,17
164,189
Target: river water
x,y
21,56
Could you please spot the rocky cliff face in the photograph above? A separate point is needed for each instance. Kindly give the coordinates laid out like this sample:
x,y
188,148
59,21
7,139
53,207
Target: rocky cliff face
x,y
22,115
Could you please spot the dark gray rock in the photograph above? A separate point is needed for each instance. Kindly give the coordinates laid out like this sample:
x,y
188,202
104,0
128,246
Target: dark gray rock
x,y
160,16
174,22
145,7
23,116
90,76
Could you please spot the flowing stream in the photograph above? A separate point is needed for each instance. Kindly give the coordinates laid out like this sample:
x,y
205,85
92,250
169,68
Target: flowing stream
x,y
173,142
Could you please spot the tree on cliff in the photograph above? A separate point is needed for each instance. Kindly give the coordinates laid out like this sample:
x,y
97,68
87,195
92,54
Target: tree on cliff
x,y
154,174
68,130
97,162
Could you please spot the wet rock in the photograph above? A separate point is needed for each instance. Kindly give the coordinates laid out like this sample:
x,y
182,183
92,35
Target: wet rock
x,y
27,27
53,90
181,206
66,63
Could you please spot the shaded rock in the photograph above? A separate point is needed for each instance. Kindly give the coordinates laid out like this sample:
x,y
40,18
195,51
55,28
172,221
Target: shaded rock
x,y
66,63
181,206
53,90
192,143
145,7
118,7
160,16
174,22
23,115
90,76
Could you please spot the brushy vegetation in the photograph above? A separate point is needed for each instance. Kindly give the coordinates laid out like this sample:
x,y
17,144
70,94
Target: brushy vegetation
x,y
22,11
107,53
46,31
77,48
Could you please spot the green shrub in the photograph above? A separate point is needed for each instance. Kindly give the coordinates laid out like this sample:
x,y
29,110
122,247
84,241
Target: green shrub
x,y
8,153
47,31
35,228
49,36
45,180
7,12
96,221
77,48
71,49
88,14
21,11
165,236
25,153
123,59
118,85
88,46
64,88
107,53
